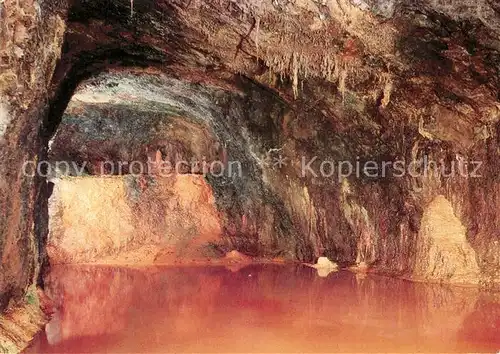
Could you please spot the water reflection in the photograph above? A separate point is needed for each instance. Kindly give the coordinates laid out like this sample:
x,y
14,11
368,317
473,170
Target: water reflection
x,y
260,308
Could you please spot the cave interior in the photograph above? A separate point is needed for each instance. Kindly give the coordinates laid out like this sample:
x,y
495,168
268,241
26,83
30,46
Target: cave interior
x,y
313,146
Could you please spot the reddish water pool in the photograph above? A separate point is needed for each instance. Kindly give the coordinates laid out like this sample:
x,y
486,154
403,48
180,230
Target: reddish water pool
x,y
260,308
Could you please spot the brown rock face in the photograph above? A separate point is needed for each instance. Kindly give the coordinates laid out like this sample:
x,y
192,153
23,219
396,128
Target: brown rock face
x,y
443,252
120,220
30,44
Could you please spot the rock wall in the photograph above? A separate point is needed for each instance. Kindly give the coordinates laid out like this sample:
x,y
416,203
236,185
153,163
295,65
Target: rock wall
x,y
20,324
31,35
443,252
131,220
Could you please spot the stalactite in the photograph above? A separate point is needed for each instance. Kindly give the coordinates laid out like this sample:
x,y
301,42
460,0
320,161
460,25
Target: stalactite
x,y
386,90
342,80
257,33
295,84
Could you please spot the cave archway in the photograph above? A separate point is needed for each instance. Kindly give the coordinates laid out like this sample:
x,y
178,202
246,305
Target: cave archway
x,y
336,217
144,125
